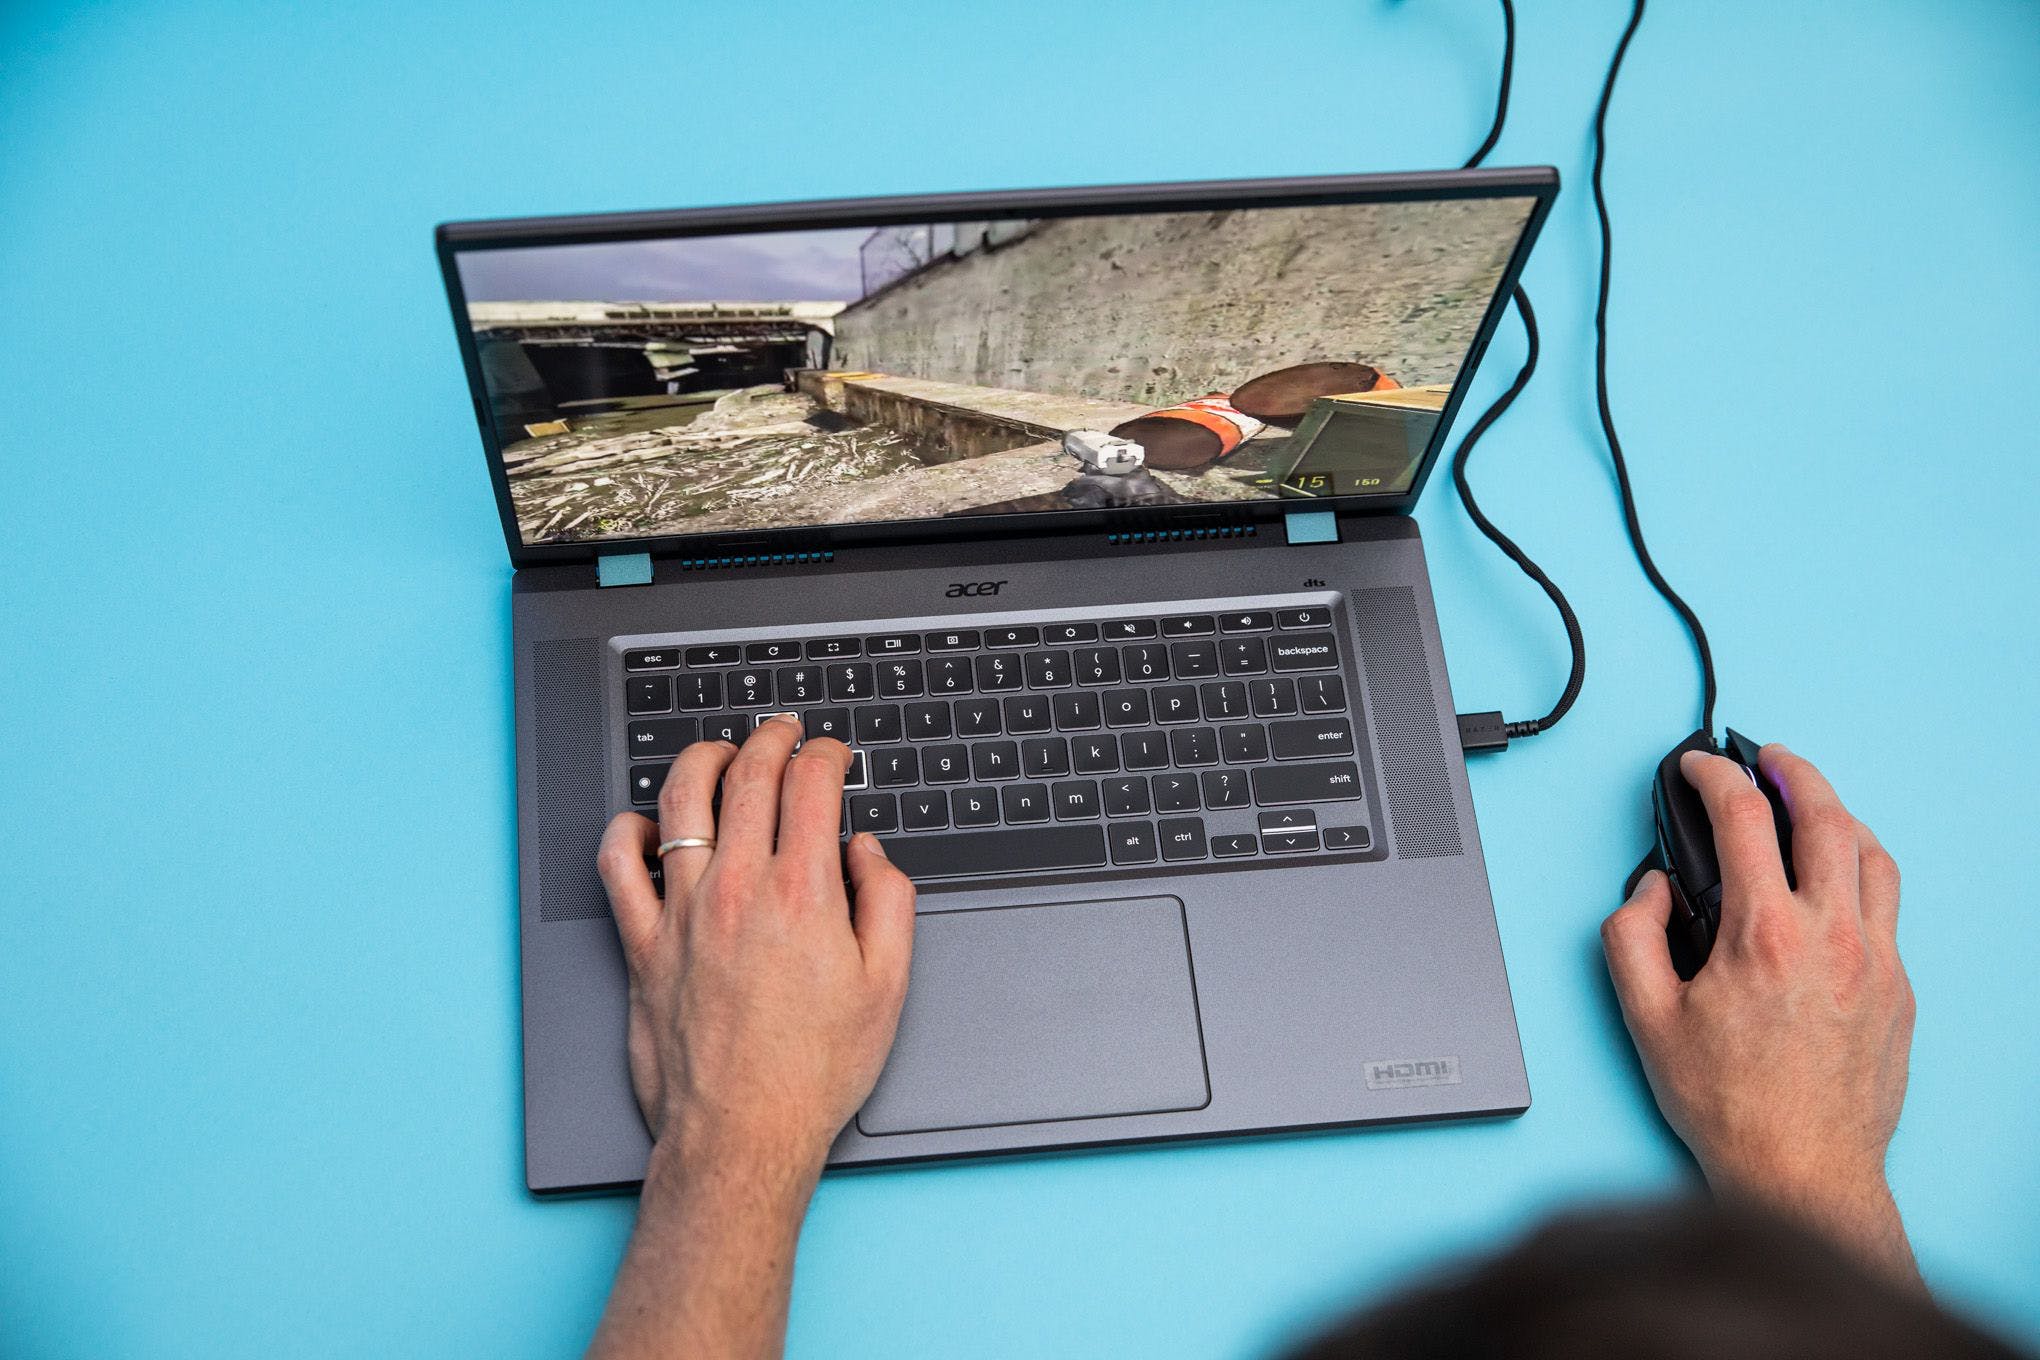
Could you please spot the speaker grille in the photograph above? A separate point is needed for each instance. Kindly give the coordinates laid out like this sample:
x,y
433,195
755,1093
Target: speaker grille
x,y
566,690
1422,822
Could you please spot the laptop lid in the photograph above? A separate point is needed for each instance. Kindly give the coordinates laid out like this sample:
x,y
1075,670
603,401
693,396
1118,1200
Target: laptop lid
x,y
794,376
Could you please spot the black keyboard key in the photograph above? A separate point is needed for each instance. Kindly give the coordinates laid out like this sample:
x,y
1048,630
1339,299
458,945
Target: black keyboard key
x,y
1311,738
1232,847
1243,743
646,781
876,725
1194,746
1027,713
1074,800
750,688
1176,704
1303,819
949,675
925,810
1133,843
945,764
966,855
1097,666
892,644
1188,625
1127,708
1288,842
1193,660
800,685
1310,616
1182,838
1305,652
858,776
660,736
1144,750
1333,782
764,653
1128,630
1224,700
878,813
974,807
729,727
1224,788
827,722
1045,757
1078,711
928,721
1012,637
1144,663
1348,838
1243,656
1175,792
1048,670
1024,803
899,679
964,641
977,718
648,694
1069,634
850,682
831,649
895,766
1272,698
1095,755
715,654
997,671
1253,621
1127,796
660,659
1323,694
991,760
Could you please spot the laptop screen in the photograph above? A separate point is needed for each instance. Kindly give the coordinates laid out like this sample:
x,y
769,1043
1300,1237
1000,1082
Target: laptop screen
x,y
684,383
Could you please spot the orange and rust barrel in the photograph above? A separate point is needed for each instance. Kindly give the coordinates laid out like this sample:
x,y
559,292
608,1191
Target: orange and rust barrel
x,y
1188,436
1282,397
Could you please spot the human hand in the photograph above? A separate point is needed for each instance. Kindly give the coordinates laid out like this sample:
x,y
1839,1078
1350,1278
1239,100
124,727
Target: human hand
x,y
1782,1064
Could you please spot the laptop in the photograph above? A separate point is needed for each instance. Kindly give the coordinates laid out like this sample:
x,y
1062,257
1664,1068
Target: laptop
x,y
1031,498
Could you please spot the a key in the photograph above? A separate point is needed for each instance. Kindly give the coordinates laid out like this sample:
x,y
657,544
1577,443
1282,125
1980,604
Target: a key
x,y
656,659
1027,713
962,641
1068,634
1348,838
1133,843
648,694
715,654
645,782
1193,660
1127,796
1145,662
997,671
827,722
991,760
1045,757
949,675
1048,670
1243,744
899,679
849,681
1095,755
660,736
1024,802
977,718
765,653
1074,800
927,810
1232,847
1188,625
1243,656
1182,838
974,807
1311,738
1176,704
958,854
1310,616
1224,788
1077,711
1012,637
928,721
1334,782
697,692
1304,652
1097,666
1127,708
750,688
1224,700
730,727
892,644
1273,698
1253,621
1194,746
829,649
1144,750
874,812
876,725
1323,694
1175,792
1128,630
945,764
894,766
800,685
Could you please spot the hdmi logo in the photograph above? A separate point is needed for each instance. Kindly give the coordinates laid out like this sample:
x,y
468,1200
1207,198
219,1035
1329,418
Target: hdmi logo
x,y
961,588
1396,1073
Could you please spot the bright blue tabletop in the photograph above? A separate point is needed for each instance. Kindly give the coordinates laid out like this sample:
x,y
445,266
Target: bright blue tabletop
x,y
258,1001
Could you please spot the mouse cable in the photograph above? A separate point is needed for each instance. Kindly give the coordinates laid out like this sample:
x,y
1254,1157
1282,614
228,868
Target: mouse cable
x,y
1489,731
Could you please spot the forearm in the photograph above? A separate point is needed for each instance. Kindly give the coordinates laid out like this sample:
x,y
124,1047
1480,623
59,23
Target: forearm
x,y
710,1265
1856,1212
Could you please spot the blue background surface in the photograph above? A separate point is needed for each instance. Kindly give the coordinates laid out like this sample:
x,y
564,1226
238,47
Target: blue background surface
x,y
258,1009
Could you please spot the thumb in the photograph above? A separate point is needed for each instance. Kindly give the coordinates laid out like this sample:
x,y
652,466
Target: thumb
x,y
1639,960
884,899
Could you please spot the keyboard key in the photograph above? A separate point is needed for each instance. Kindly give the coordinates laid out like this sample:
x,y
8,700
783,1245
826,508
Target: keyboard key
x,y
1048,670
928,721
1127,708
800,685
926,810
1127,796
715,654
991,760
660,736
977,718
945,764
1144,750
1253,621
997,671
662,659
1272,698
1224,700
1128,630
1076,712
1232,847
1068,634
1095,755
1176,704
850,681
1334,782
1027,713
859,774
1074,800
1305,652
827,722
899,679
1025,802
874,812
645,782
697,692
729,727
1303,819
974,807
1175,792
1133,843
750,689
1311,738
892,644
964,641
956,855
1224,788
1348,838
1310,616
1097,666
1182,838
876,725
1243,656
894,766
1243,743
1323,694
1188,625
829,649
1045,757
949,675
764,653
1288,842
1194,746
1193,660
1012,637
1145,662
648,694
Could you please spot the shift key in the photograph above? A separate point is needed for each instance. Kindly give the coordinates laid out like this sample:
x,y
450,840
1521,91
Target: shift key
x,y
1335,781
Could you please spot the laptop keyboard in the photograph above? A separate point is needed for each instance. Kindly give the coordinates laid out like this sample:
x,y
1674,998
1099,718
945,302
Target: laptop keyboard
x,y
1009,745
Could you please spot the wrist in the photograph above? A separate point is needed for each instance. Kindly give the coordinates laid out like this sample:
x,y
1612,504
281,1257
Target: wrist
x,y
699,1158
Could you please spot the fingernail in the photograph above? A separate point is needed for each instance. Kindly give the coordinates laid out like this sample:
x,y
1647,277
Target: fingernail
x,y
793,718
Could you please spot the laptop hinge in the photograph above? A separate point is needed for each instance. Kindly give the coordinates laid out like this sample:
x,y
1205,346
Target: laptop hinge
x,y
1311,526
624,569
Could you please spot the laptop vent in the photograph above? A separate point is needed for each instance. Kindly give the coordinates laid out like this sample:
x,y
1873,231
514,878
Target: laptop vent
x,y
786,559
572,804
1422,822
1181,535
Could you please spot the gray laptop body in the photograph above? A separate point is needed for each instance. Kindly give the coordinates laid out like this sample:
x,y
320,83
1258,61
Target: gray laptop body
x,y
1271,941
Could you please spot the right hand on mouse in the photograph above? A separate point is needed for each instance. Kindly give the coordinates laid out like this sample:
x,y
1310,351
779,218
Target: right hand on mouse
x,y
1782,1064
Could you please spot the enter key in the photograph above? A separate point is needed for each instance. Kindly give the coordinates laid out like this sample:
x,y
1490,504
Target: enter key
x,y
1312,738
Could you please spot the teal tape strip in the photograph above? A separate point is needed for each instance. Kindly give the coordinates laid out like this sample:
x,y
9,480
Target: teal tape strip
x,y
624,569
1312,526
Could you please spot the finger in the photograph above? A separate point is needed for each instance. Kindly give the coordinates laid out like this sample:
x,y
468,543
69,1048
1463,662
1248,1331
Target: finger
x,y
626,843
1745,837
687,808
1824,849
1879,876
750,790
811,808
1639,959
884,915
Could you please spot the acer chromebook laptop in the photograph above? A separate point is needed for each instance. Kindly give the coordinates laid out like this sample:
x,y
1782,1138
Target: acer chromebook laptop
x,y
1082,515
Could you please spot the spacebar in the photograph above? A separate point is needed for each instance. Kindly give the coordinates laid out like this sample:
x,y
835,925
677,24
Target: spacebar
x,y
973,854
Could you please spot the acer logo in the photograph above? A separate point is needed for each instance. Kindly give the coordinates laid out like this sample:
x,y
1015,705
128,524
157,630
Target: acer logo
x,y
963,588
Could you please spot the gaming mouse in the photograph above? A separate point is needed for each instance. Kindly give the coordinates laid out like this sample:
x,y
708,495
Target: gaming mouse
x,y
1685,846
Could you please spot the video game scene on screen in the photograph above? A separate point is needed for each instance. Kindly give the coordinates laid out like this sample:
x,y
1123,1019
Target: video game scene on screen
x,y
758,380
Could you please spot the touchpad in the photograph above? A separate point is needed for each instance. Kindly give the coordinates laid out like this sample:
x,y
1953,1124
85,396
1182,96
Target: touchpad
x,y
1067,1010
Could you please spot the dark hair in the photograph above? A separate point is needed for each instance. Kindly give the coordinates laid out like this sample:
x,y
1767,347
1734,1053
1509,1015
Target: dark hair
x,y
1689,1280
